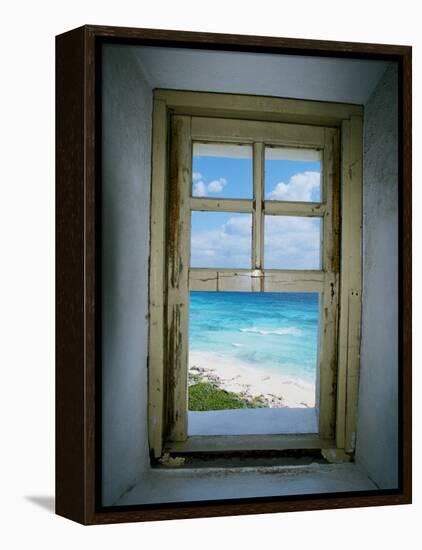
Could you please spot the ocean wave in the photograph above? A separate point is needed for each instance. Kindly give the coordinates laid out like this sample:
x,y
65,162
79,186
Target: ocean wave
x,y
235,345
291,331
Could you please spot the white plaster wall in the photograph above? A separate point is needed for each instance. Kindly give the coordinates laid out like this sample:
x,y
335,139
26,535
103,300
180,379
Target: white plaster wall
x,y
377,445
127,109
300,77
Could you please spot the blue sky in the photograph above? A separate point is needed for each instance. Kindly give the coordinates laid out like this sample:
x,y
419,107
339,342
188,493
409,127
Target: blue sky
x,y
222,177
226,177
221,239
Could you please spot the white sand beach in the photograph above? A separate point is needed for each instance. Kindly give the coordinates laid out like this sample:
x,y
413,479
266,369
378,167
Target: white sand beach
x,y
235,376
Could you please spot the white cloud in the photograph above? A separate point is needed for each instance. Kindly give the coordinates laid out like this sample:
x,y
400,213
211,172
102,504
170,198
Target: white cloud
x,y
239,225
290,243
300,187
216,186
199,189
202,189
226,246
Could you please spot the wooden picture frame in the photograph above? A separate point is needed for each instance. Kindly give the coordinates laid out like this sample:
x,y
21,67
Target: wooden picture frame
x,y
78,274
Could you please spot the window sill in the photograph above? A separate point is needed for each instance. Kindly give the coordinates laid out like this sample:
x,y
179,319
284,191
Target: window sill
x,y
253,422
199,484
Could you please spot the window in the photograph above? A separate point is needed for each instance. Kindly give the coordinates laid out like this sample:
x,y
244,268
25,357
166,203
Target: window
x,y
247,279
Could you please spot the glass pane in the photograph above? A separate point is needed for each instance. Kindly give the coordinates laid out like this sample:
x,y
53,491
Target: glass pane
x,y
221,239
292,242
253,351
222,171
293,174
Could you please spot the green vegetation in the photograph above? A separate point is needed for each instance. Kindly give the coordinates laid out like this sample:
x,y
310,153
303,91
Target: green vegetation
x,y
205,396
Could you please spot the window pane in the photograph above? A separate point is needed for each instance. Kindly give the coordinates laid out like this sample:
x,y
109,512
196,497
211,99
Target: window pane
x,y
253,351
222,171
293,174
292,242
221,239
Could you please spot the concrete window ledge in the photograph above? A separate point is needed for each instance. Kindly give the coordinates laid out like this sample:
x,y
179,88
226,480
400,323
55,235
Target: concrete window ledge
x,y
262,421
198,484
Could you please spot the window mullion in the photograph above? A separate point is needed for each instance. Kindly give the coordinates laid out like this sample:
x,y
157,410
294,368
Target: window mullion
x,y
258,216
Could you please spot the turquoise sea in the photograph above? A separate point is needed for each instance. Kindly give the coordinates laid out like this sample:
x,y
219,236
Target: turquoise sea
x,y
275,332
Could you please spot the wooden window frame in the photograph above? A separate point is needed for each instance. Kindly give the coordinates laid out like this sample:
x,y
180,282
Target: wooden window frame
x,y
78,273
180,118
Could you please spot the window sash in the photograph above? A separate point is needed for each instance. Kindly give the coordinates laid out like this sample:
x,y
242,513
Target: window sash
x,y
181,278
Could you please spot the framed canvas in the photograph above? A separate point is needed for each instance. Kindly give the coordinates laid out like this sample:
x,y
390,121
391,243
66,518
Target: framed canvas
x,y
233,274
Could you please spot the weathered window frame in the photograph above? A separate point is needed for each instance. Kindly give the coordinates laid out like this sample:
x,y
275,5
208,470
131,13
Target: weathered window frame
x,y
203,116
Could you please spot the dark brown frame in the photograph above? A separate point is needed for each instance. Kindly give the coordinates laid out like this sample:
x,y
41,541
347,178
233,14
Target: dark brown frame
x,y
77,360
